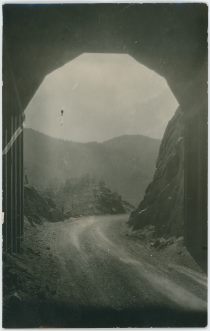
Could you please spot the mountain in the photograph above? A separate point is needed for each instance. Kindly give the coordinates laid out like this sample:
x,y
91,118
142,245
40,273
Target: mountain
x,y
125,163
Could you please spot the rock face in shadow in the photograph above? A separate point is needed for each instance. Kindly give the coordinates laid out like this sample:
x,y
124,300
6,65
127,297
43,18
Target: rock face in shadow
x,y
163,202
39,208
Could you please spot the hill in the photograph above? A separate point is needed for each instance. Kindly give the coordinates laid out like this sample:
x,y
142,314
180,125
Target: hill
x,y
126,163
86,196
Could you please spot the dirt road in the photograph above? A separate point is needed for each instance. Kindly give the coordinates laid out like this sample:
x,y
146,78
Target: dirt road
x,y
107,279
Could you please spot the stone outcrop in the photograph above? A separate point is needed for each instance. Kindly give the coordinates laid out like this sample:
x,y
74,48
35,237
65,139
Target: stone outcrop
x,y
163,202
39,208
87,196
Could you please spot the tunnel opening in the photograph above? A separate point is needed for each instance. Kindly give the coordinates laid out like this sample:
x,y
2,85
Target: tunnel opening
x,y
97,102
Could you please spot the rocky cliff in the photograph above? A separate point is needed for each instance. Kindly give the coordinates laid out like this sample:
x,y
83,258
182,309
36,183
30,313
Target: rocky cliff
x,y
163,202
39,208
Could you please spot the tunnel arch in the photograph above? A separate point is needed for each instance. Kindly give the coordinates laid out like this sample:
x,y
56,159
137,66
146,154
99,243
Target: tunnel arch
x,y
170,39
50,36
90,82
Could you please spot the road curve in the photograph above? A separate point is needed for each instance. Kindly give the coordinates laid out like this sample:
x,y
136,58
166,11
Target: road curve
x,y
101,267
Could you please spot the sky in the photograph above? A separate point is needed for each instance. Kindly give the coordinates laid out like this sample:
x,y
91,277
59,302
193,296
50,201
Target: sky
x,y
102,96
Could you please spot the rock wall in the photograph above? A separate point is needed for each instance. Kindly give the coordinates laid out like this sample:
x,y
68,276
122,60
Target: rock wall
x,y
163,202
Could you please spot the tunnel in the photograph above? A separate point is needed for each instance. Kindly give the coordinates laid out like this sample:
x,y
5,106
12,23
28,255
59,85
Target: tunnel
x,y
170,39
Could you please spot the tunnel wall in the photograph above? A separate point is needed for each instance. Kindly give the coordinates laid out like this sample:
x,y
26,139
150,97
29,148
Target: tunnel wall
x,y
12,139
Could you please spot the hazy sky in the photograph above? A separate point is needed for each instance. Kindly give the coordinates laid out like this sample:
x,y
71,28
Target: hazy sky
x,y
103,96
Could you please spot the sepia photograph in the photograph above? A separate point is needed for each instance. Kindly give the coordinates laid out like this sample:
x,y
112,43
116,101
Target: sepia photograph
x,y
104,165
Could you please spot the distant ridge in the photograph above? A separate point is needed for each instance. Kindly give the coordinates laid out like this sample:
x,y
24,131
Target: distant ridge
x,y
126,163
130,137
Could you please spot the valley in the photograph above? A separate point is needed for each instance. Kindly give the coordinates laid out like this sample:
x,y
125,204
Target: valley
x,y
126,164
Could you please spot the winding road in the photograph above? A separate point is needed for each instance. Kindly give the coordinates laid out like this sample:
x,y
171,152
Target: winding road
x,y
118,281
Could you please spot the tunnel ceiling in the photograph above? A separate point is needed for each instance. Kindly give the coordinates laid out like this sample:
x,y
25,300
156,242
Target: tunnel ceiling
x,y
170,39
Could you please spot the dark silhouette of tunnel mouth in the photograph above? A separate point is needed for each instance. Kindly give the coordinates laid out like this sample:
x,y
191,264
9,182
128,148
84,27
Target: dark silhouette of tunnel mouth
x,y
29,314
49,314
173,42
